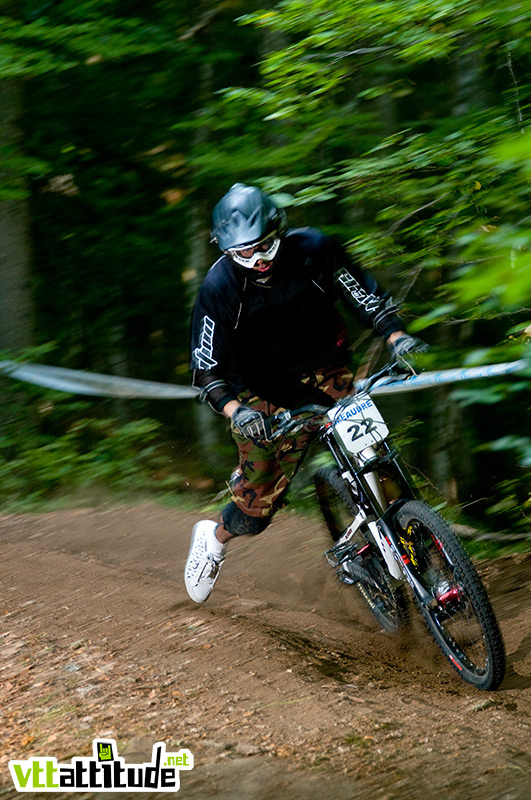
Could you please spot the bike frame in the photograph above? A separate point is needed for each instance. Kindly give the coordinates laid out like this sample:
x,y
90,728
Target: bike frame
x,y
361,472
392,537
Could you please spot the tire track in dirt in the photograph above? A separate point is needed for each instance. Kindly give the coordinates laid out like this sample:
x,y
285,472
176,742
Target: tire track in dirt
x,y
280,685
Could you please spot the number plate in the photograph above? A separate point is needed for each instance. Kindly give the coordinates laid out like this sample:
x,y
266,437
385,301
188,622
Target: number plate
x,y
359,424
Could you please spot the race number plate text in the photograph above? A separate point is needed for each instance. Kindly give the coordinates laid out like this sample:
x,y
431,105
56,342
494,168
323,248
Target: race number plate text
x,y
359,424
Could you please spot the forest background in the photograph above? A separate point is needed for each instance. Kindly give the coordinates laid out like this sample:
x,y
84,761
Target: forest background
x,y
399,126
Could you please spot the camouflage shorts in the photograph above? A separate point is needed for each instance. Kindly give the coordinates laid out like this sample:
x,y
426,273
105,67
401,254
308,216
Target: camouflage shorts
x,y
265,469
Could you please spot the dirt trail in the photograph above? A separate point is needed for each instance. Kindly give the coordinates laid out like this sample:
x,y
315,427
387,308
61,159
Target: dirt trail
x,y
281,685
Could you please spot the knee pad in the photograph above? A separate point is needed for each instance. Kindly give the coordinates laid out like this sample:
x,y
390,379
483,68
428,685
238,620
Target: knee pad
x,y
240,524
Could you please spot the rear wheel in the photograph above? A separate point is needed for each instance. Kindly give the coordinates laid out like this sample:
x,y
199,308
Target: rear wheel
x,y
459,614
359,561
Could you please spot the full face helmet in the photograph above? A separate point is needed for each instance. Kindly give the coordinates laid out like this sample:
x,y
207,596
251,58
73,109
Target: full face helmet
x,y
248,228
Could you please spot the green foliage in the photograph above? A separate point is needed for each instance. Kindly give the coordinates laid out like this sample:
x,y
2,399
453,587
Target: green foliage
x,y
520,444
51,444
514,503
398,125
106,182
71,34
448,188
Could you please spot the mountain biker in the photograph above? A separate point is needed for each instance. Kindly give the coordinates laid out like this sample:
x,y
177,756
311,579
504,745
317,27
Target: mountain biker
x,y
266,334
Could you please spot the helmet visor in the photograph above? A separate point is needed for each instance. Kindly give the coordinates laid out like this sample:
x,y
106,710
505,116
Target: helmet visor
x,y
249,254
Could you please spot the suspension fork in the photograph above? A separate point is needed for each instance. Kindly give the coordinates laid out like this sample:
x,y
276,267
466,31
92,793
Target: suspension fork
x,y
367,488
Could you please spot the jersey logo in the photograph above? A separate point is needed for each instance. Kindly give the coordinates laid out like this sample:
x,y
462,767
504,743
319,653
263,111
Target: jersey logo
x,y
370,302
204,353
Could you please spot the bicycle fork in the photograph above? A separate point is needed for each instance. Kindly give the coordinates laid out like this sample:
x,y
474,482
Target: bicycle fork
x,y
381,540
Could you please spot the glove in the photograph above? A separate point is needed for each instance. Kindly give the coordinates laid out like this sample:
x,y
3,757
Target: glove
x,y
249,423
405,346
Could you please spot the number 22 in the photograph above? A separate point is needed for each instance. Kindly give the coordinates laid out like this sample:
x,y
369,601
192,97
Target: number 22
x,y
357,427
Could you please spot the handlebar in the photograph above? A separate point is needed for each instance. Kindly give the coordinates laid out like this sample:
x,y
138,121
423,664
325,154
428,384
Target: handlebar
x,y
393,370
284,422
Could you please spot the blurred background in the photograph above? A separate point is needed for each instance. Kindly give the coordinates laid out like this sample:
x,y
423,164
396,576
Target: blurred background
x,y
399,126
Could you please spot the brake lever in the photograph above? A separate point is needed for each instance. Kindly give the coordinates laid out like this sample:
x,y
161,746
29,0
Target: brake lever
x,y
392,370
276,419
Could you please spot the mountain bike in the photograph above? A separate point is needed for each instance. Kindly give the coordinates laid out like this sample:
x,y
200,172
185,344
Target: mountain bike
x,y
386,538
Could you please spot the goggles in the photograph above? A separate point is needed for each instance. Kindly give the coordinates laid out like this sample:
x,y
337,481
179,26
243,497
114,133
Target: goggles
x,y
248,255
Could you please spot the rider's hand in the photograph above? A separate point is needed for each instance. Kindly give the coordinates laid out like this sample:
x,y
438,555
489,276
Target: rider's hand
x,y
404,347
249,423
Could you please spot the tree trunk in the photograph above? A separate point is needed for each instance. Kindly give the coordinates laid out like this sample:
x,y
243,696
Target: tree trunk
x,y
452,464
469,81
16,315
207,425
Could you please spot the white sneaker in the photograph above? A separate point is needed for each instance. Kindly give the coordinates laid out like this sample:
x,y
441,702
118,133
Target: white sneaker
x,y
204,561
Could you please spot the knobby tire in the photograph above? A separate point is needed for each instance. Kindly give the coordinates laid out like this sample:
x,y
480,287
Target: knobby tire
x,y
460,616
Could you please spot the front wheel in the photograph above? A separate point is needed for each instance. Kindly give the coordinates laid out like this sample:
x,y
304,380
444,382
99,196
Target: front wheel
x,y
457,610
386,599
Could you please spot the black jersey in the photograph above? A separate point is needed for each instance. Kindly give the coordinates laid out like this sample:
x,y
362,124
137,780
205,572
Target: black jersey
x,y
264,338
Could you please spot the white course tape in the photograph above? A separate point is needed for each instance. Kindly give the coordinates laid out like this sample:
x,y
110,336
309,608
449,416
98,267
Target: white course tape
x,y
393,385
90,383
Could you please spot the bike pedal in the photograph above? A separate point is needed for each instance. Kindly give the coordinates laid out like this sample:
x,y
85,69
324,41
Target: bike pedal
x,y
339,553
